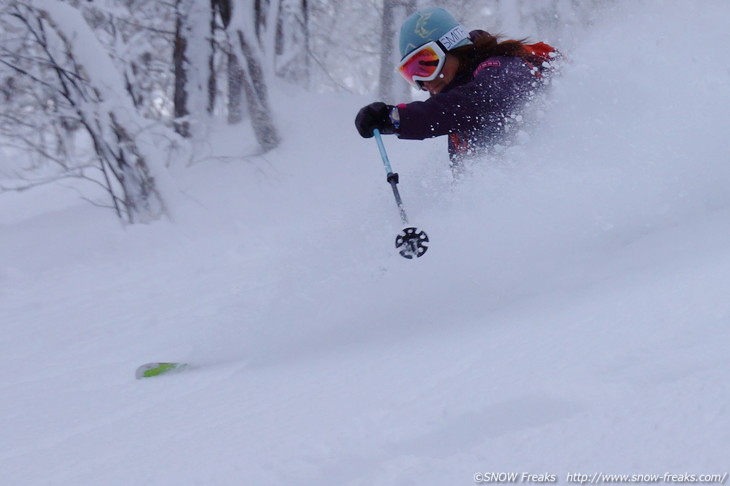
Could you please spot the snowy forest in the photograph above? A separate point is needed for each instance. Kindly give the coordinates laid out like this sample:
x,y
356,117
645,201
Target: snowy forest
x,y
113,91
183,190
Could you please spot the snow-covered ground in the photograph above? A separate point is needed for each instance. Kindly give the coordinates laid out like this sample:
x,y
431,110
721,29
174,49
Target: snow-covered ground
x,y
571,315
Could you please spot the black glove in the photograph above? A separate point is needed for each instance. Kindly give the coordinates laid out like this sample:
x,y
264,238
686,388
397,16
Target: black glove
x,y
374,115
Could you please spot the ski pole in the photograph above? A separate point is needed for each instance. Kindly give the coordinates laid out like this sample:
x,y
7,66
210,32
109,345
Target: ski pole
x,y
410,242
392,177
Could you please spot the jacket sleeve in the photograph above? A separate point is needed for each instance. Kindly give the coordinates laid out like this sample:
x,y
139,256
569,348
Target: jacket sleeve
x,y
497,87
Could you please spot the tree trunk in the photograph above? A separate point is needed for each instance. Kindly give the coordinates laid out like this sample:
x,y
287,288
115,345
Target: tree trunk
x,y
180,61
292,42
390,89
193,65
212,74
235,77
257,100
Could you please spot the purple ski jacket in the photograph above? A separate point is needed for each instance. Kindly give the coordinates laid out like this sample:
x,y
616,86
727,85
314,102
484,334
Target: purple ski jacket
x,y
476,109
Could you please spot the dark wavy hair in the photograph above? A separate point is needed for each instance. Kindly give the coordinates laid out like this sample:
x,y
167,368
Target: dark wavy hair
x,y
485,45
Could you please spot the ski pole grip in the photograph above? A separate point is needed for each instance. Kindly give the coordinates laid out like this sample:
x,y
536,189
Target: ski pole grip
x,y
383,154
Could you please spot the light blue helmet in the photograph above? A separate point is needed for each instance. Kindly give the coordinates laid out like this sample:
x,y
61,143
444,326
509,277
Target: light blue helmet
x,y
432,24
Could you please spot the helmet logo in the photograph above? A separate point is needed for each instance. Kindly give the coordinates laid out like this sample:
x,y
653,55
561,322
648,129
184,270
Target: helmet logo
x,y
420,29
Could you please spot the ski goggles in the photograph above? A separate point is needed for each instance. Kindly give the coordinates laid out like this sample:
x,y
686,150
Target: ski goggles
x,y
423,64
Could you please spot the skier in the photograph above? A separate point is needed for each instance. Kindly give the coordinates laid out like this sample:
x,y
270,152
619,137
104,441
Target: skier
x,y
478,85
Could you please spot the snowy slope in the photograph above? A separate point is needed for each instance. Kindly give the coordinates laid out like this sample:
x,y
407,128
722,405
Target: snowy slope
x,y
571,315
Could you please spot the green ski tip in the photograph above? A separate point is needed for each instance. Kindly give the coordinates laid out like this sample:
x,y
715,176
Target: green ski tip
x,y
156,369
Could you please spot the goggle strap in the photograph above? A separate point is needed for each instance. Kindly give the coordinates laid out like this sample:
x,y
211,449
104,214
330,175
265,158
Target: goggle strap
x,y
453,37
